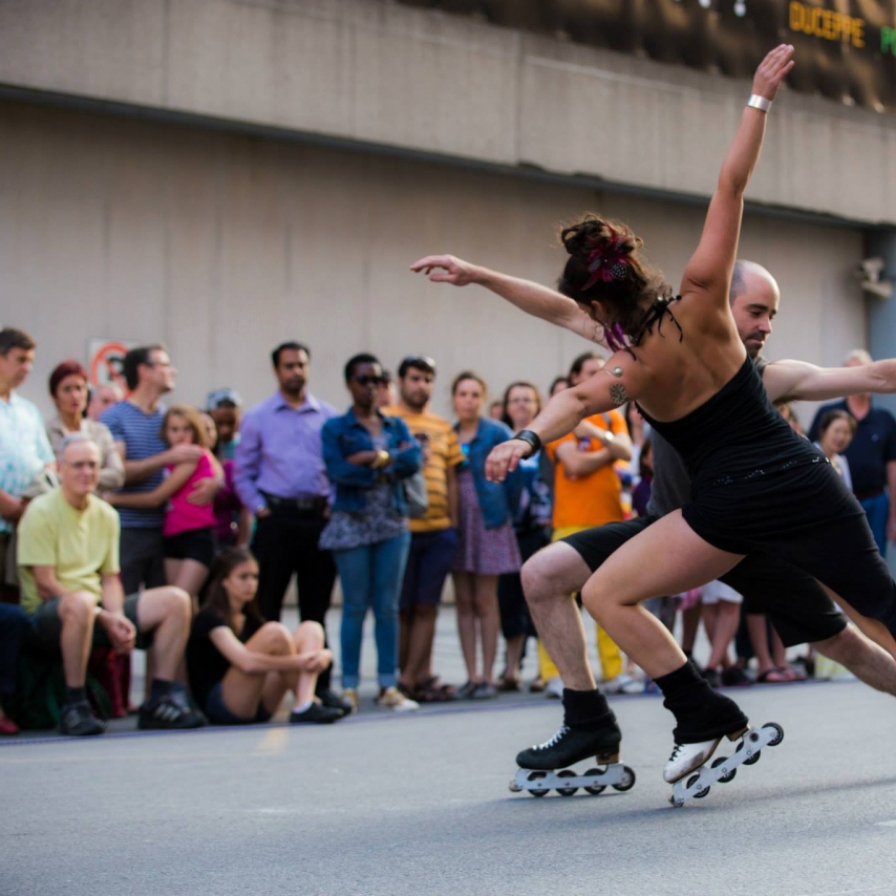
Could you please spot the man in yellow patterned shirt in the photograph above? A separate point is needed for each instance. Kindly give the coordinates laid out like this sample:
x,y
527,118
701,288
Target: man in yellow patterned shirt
x,y
433,535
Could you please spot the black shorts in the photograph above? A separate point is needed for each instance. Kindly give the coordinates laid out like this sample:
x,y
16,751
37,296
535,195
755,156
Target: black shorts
x,y
798,607
194,544
47,625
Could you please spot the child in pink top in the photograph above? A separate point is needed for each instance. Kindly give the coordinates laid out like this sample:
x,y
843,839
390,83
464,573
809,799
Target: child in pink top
x,y
189,528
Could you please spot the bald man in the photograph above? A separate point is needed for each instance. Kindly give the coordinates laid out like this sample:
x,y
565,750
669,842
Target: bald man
x,y
797,605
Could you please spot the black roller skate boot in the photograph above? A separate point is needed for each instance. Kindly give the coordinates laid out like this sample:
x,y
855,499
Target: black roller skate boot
x,y
589,730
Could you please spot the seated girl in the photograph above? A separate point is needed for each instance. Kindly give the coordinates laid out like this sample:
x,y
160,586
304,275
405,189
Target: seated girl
x,y
240,666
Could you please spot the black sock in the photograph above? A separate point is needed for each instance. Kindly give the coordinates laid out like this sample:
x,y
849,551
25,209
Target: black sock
x,y
700,712
680,682
585,709
160,688
75,695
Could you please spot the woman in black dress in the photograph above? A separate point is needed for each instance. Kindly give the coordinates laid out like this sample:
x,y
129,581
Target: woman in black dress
x,y
756,485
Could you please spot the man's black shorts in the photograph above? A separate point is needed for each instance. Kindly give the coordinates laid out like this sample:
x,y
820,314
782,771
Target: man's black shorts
x,y
798,607
47,625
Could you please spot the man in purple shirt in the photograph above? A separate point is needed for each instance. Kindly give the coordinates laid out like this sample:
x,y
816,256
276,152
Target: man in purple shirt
x,y
281,477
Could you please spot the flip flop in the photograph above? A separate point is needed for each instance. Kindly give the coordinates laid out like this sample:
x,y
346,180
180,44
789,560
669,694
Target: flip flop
x,y
773,676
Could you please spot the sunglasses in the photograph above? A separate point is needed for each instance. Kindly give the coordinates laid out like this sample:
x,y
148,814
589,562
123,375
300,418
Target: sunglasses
x,y
365,380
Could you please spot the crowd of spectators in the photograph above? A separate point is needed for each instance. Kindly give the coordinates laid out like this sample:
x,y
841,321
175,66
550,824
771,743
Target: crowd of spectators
x,y
128,524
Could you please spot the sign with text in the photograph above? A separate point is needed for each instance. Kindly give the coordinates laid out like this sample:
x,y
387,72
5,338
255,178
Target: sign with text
x,y
846,49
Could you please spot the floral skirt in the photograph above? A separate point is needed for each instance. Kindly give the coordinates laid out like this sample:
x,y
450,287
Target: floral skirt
x,y
486,552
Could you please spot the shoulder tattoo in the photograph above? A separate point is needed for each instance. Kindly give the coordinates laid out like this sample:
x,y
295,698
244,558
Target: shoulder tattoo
x,y
618,394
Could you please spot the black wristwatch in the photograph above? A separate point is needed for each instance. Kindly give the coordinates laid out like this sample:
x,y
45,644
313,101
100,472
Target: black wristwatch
x,y
531,439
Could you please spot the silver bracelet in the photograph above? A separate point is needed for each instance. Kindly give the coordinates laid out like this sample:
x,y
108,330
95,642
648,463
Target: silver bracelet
x,y
759,102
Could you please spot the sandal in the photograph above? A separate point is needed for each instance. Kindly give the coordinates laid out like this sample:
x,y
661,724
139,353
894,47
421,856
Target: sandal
x,y
433,691
507,685
773,676
537,685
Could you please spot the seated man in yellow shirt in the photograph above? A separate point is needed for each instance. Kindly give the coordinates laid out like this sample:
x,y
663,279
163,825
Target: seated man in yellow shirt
x,y
69,573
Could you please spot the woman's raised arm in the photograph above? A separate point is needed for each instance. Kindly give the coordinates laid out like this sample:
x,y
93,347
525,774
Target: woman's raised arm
x,y
710,267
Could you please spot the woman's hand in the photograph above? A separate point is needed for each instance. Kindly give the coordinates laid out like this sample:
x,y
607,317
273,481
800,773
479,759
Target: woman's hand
x,y
772,71
362,458
505,458
457,271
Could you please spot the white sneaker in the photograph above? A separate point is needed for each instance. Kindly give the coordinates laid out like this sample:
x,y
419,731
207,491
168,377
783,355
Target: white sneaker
x,y
624,684
686,758
553,690
393,699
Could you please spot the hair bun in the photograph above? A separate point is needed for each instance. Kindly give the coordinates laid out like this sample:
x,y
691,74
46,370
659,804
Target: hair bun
x,y
592,232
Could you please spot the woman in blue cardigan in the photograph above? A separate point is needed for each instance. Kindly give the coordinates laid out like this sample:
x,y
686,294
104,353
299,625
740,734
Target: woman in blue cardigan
x,y
487,546
368,455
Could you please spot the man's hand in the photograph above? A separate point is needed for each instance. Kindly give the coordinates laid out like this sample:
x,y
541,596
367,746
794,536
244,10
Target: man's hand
x,y
204,492
457,271
120,629
11,509
183,454
505,458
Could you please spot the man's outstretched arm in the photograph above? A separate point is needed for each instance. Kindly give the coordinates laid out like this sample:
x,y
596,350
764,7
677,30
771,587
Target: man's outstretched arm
x,y
800,381
533,298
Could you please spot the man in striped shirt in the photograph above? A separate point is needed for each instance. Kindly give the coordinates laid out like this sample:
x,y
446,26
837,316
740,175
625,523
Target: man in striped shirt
x,y
136,426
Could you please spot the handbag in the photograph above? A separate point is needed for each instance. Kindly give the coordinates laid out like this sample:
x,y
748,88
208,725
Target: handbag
x,y
416,494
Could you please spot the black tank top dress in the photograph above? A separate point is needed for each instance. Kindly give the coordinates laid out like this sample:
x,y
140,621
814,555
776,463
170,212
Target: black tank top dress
x,y
759,487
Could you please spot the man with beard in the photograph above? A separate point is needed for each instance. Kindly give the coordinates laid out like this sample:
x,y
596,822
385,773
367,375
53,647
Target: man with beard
x,y
797,605
282,479
433,535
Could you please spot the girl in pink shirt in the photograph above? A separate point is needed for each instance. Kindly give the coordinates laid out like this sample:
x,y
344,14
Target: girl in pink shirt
x,y
189,528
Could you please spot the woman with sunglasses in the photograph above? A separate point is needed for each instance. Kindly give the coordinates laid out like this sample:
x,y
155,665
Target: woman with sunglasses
x,y
368,455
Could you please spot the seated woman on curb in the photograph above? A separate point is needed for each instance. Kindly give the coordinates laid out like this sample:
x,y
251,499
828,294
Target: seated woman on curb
x,y
241,666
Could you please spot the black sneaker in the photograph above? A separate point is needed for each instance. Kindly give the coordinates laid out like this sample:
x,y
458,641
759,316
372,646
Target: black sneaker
x,y
332,700
570,745
78,720
735,677
316,714
171,712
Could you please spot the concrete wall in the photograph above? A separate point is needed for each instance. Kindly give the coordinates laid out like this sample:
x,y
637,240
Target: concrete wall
x,y
377,73
224,245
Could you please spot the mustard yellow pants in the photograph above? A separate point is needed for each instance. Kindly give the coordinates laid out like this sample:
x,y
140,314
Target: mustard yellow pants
x,y
607,651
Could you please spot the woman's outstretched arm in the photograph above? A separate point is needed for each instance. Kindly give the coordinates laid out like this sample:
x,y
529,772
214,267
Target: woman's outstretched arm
x,y
709,270
533,298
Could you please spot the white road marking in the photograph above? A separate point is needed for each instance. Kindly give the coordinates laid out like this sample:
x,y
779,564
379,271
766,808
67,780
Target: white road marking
x,y
273,743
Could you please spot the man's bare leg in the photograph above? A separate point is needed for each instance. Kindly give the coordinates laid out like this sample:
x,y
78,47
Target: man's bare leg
x,y
549,578
870,663
77,612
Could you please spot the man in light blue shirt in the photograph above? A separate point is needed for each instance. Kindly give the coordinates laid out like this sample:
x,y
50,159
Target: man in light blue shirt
x,y
25,451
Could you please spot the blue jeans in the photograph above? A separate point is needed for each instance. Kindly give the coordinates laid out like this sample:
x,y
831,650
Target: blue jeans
x,y
371,576
877,510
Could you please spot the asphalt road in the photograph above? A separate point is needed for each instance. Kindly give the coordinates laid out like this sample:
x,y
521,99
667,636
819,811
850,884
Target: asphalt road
x,y
418,804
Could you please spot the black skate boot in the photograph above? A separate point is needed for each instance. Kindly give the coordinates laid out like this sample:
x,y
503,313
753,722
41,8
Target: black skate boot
x,y
589,730
704,717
